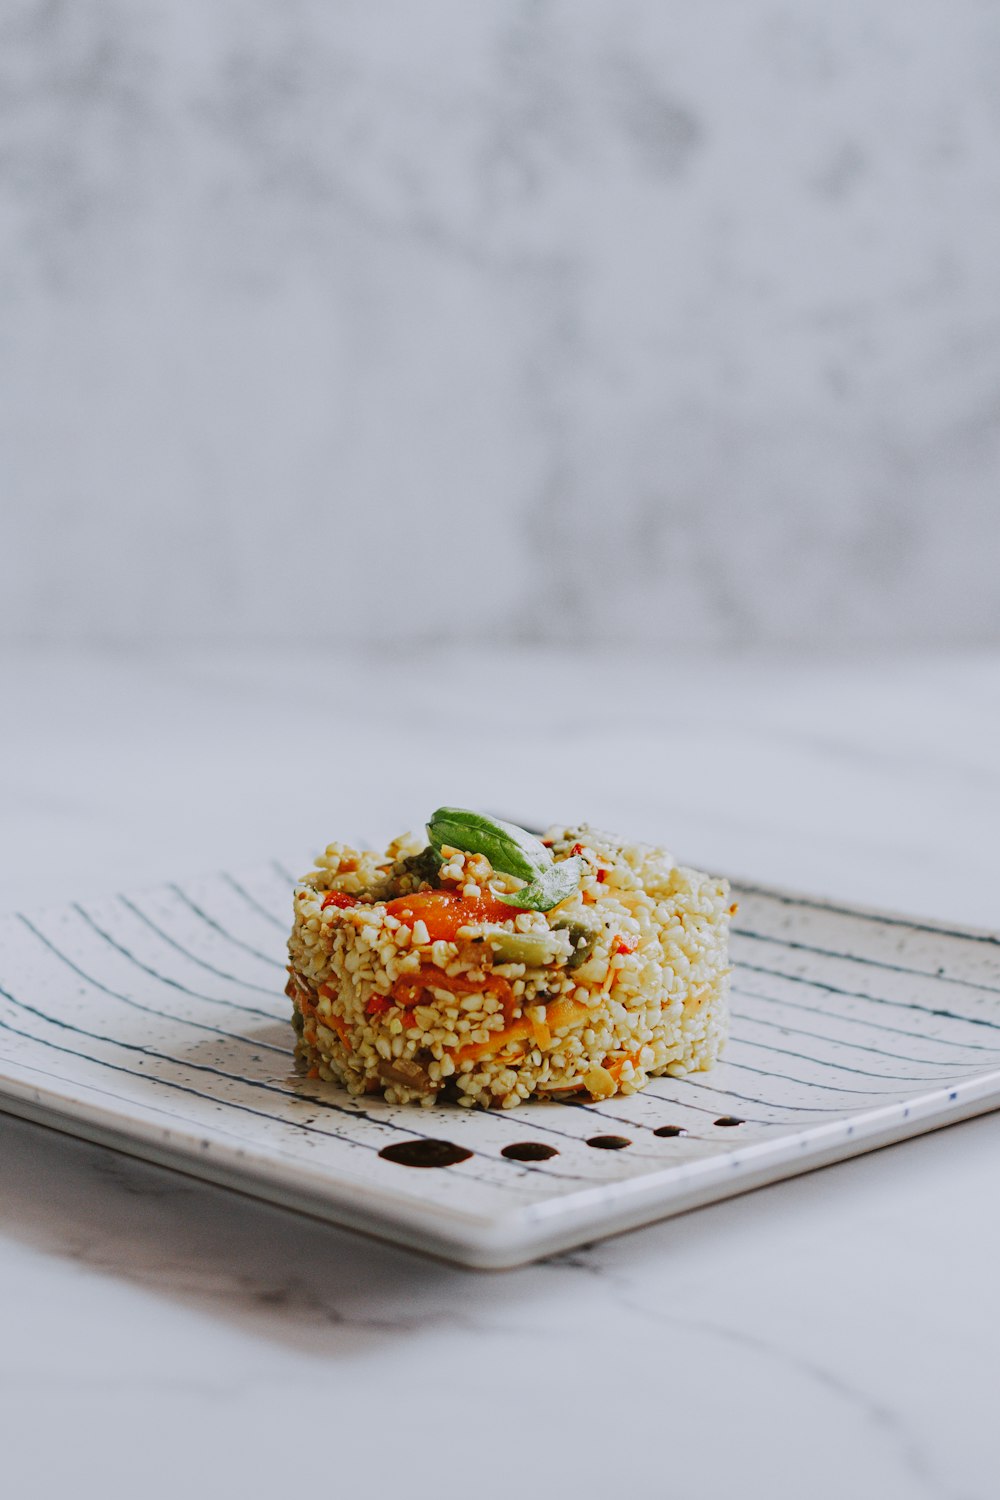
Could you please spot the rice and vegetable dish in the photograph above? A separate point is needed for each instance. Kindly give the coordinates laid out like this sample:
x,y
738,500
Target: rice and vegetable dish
x,y
485,966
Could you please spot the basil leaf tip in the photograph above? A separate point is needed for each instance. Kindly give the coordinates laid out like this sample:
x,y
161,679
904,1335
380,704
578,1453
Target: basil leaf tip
x,y
551,887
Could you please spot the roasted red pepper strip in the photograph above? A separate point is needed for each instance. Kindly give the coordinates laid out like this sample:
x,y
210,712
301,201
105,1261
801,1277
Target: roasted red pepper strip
x,y
444,912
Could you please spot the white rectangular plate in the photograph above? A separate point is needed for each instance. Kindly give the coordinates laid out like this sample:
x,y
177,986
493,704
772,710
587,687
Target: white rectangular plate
x,y
155,1023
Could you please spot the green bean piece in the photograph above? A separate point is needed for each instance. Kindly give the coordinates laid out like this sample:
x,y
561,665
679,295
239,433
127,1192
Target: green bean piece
x,y
536,949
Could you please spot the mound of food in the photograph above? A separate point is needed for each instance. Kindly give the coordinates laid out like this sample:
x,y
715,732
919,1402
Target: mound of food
x,y
486,966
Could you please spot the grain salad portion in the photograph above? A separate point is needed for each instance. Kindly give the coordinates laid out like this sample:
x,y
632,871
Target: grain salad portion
x,y
483,965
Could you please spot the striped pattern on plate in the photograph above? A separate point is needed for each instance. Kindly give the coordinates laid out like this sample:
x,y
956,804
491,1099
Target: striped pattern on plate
x,y
155,1023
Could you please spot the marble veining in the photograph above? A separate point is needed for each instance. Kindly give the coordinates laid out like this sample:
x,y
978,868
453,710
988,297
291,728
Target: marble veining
x,y
695,317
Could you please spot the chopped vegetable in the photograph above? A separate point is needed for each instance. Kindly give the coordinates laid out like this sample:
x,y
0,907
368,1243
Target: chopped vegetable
x,y
408,988
582,938
625,944
339,898
332,1022
424,866
401,1070
563,1013
615,1067
516,1032
599,1083
533,948
339,1025
444,913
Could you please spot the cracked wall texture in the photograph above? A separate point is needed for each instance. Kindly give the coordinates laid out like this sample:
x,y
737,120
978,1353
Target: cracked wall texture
x,y
598,322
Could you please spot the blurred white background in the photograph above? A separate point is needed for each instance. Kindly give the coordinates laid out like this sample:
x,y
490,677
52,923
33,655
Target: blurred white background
x,y
574,322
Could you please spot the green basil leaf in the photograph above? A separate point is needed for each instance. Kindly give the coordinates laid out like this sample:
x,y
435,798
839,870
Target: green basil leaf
x,y
548,889
510,849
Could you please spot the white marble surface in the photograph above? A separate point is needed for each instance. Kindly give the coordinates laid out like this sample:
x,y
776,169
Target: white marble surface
x,y
693,310
832,1336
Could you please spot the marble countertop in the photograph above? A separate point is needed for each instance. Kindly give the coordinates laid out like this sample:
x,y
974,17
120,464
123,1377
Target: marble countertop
x,y
829,1336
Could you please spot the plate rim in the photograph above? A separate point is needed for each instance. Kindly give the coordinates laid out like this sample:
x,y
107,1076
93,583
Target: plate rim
x,y
518,1233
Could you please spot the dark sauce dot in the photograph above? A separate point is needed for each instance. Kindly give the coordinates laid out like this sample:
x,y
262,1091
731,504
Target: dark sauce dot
x,y
729,1120
425,1153
670,1130
529,1151
609,1142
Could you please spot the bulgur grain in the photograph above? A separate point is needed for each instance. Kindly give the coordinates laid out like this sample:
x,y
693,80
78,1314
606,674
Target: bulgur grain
x,y
374,988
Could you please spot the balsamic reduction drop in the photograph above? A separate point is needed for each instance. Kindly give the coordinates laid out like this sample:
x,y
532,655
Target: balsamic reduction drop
x,y
609,1142
529,1151
425,1153
670,1130
729,1120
